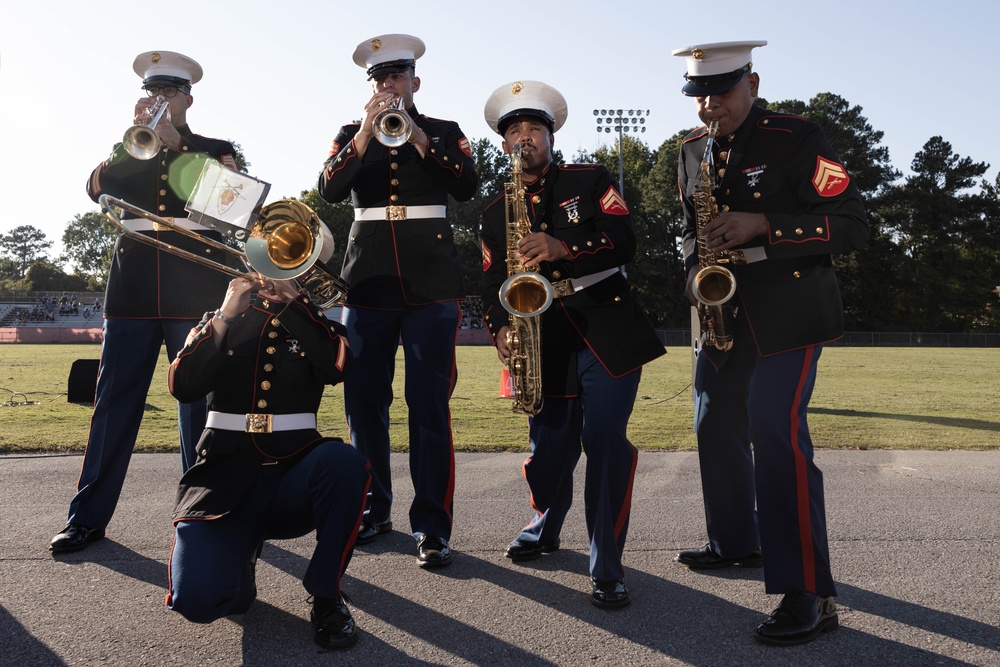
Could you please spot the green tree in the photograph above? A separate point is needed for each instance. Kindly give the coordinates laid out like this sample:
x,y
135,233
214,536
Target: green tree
x,y
24,245
89,242
45,276
242,163
943,229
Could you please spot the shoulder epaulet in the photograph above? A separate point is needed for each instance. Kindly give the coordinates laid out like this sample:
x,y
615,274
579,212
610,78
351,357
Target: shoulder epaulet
x,y
434,120
783,122
695,134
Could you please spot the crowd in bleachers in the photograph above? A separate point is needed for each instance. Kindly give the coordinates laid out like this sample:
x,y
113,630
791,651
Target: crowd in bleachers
x,y
472,313
52,308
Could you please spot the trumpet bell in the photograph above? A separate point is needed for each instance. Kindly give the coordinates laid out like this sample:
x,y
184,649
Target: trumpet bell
x,y
392,126
141,142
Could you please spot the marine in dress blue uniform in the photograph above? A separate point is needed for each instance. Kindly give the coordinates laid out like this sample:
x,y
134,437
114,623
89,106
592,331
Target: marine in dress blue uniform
x,y
153,297
595,337
786,204
263,470
406,283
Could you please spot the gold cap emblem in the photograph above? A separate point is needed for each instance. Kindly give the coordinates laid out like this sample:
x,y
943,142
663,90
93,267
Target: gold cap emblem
x,y
155,57
517,88
376,44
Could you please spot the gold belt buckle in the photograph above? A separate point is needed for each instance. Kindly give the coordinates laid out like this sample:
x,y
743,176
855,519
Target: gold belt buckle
x,y
258,423
395,213
563,288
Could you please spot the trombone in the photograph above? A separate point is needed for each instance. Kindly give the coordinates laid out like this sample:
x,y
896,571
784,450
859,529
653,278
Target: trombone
x,y
141,141
392,126
285,243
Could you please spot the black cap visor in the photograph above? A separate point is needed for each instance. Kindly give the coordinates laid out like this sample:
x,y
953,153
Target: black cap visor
x,y
703,86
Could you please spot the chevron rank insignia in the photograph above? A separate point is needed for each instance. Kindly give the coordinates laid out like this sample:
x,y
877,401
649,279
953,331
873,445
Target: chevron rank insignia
x,y
830,179
613,203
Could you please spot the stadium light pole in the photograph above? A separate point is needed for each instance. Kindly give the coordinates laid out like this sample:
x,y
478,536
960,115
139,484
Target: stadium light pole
x,y
622,121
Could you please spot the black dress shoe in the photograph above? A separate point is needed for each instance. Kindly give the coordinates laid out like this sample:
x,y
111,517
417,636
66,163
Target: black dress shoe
x,y
333,622
707,559
799,619
610,594
519,551
433,552
369,530
74,537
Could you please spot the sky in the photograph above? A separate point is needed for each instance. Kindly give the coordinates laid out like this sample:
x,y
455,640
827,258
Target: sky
x,y
280,79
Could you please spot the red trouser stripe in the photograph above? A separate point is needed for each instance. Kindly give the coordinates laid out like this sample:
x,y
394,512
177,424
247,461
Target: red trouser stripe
x,y
802,481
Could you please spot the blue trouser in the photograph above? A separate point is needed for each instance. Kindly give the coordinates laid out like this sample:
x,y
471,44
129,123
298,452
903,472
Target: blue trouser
x,y
210,571
597,420
129,354
763,400
428,335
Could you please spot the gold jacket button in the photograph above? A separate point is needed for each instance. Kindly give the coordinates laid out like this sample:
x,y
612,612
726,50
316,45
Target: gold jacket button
x,y
393,152
204,452
229,353
394,181
575,248
275,322
725,208
798,231
722,172
590,244
163,193
724,155
535,199
265,385
618,299
268,367
393,197
777,233
819,230
262,403
543,226
161,207
557,275
796,274
440,236
163,177
273,334
756,195
270,350
393,165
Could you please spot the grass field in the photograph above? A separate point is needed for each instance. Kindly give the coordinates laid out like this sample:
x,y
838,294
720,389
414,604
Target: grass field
x,y
889,398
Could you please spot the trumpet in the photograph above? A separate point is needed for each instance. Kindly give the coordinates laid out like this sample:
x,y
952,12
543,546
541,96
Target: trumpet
x,y
392,126
286,242
141,141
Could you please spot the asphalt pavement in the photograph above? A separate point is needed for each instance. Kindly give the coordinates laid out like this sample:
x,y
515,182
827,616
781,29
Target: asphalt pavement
x,y
914,541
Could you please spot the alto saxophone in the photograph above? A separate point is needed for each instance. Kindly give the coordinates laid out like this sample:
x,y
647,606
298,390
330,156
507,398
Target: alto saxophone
x,y
714,284
526,294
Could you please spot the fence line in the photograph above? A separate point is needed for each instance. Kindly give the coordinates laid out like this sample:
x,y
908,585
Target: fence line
x,y
682,338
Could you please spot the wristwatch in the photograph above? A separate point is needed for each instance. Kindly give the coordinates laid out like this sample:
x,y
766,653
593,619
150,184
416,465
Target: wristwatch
x,y
227,320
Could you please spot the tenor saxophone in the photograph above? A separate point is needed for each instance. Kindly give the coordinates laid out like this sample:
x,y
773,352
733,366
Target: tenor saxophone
x,y
526,294
714,284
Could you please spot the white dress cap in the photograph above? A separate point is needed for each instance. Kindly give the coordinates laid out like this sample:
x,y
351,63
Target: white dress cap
x,y
525,98
166,66
388,53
